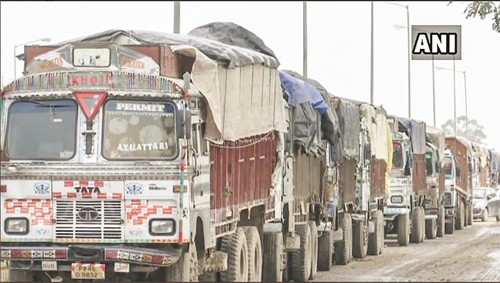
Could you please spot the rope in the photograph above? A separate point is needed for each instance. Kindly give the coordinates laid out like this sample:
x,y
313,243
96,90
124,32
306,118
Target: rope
x,y
242,146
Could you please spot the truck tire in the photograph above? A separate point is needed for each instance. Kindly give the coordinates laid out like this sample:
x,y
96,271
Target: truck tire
x,y
376,239
254,254
16,275
343,248
470,218
460,221
403,229
485,215
430,228
422,224
449,227
416,225
359,239
325,250
301,259
185,269
273,247
314,248
236,247
440,222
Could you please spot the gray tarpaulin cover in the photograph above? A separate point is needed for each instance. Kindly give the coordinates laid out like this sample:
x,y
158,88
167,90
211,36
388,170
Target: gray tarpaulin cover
x,y
232,56
349,119
329,121
436,137
417,134
308,105
224,74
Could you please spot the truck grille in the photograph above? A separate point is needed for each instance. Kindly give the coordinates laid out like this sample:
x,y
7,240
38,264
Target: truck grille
x,y
88,219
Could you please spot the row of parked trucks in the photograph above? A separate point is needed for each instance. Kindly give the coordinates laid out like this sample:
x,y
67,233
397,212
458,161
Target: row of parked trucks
x,y
146,156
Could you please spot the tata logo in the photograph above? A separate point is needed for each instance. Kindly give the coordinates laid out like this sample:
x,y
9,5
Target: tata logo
x,y
134,189
88,213
86,190
41,188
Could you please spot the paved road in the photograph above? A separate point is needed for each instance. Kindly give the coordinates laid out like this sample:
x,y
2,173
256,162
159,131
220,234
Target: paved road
x,y
471,254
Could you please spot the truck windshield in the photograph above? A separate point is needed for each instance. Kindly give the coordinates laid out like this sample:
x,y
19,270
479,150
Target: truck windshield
x,y
429,163
42,129
397,156
447,168
139,130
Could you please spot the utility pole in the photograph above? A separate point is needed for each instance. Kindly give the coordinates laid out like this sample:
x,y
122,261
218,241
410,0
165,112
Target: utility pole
x,y
371,58
304,38
177,16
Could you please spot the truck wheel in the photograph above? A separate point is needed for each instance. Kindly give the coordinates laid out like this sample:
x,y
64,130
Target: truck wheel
x,y
440,222
16,275
254,254
236,247
422,224
325,250
471,214
485,216
376,239
430,228
416,225
359,239
459,223
301,259
449,227
403,229
185,269
343,248
314,249
273,247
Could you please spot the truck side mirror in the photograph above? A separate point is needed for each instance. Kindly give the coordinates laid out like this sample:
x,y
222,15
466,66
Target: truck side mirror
x,y
182,125
438,168
457,171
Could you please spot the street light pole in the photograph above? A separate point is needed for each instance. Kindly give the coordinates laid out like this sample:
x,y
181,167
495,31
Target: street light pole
x,y
454,100
304,39
407,7
433,94
409,47
371,58
177,16
25,43
466,114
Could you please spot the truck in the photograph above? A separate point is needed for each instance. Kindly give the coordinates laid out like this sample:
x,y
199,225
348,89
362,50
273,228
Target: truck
x,y
460,175
313,126
358,176
404,207
434,208
133,156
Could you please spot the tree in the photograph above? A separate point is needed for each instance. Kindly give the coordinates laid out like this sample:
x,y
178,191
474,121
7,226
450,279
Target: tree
x,y
476,131
484,8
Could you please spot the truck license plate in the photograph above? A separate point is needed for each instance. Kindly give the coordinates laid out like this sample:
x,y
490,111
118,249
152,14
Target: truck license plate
x,y
88,271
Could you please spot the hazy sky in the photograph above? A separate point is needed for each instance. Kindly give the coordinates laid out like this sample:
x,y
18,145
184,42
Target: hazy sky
x,y
338,46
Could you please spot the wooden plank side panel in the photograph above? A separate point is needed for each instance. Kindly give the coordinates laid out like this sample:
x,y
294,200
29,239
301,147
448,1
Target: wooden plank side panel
x,y
238,166
377,177
419,175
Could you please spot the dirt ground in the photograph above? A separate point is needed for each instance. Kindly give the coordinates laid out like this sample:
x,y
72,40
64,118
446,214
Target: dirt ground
x,y
471,254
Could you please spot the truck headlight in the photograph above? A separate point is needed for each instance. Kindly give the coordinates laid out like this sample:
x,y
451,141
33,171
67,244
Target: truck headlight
x,y
161,227
17,226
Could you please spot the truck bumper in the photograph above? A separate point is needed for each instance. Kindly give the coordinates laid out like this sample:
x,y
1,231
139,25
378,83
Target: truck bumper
x,y
87,253
390,211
